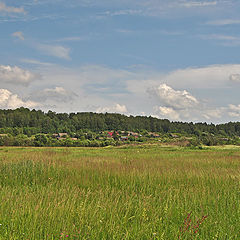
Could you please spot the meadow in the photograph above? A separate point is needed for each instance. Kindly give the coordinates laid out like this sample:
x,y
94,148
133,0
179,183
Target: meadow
x,y
131,192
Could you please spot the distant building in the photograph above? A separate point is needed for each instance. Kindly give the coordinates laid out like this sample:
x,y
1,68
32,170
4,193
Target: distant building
x,y
134,134
63,134
111,134
60,136
154,135
174,135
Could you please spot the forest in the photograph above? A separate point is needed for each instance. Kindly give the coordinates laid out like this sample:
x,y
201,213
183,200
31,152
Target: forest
x,y
36,125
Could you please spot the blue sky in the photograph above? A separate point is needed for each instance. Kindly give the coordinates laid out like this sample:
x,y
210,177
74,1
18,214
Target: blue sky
x,y
175,59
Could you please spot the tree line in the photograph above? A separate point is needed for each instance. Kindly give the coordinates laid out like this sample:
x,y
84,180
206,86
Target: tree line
x,y
32,122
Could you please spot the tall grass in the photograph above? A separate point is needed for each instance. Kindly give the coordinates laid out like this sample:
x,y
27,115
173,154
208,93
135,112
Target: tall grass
x,y
119,193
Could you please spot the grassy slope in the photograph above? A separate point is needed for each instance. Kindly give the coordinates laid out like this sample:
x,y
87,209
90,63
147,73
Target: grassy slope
x,y
119,193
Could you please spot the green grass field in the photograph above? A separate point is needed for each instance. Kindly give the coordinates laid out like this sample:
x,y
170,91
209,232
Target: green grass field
x,y
141,192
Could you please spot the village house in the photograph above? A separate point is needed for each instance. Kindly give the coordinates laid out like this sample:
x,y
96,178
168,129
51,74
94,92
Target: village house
x,y
111,134
60,136
63,134
134,134
174,135
124,133
154,135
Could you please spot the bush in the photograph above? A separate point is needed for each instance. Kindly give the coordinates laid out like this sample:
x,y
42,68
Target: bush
x,y
40,140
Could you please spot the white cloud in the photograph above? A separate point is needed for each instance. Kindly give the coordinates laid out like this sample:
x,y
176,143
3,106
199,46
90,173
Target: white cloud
x,y
56,94
12,101
101,86
117,108
16,75
9,9
223,22
209,77
215,113
175,105
18,35
54,50
199,113
167,112
234,110
174,98
178,105
215,76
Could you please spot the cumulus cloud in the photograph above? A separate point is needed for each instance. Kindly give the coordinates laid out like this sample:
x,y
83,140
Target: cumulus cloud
x,y
9,9
174,98
179,105
54,50
167,112
117,108
55,94
12,101
200,113
16,75
18,35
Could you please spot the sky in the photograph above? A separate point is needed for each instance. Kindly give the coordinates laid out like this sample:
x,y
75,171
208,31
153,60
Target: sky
x,y
170,59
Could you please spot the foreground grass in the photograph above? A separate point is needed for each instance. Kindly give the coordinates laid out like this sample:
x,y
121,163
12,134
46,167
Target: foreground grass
x,y
146,192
